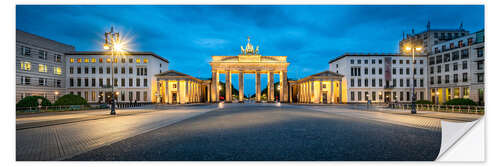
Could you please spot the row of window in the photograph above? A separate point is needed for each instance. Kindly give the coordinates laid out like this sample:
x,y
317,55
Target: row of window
x,y
448,35
108,60
373,61
356,71
86,82
456,93
140,71
42,54
387,83
359,96
457,55
452,45
480,66
26,80
26,66
465,78
100,96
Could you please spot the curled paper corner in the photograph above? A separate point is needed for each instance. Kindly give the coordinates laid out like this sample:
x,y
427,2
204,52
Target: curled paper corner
x,y
451,133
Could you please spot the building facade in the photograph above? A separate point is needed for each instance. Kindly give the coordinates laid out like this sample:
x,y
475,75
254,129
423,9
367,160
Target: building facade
x,y
381,78
89,75
40,66
456,69
177,88
321,88
430,37
250,61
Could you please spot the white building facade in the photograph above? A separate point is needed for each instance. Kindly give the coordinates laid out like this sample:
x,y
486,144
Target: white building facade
x,y
456,69
430,37
89,75
39,66
381,78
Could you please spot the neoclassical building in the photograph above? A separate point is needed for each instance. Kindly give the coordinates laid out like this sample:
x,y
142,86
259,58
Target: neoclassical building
x,y
173,87
325,87
249,61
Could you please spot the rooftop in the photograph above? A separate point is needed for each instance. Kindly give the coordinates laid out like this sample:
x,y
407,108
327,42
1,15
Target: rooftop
x,y
370,54
109,53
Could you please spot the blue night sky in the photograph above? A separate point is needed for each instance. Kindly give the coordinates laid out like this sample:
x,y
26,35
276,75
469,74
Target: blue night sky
x,y
189,35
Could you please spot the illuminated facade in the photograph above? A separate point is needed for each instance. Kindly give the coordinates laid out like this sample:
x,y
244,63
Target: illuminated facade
x,y
325,88
89,76
178,88
40,66
249,61
456,69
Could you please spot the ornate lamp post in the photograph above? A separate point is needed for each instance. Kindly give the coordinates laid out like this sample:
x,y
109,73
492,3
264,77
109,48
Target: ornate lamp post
x,y
113,44
412,47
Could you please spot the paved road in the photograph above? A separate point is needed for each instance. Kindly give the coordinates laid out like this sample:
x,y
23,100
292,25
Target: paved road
x,y
67,137
286,132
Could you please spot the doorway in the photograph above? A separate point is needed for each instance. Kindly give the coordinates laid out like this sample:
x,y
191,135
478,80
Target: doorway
x,y
324,98
387,97
174,97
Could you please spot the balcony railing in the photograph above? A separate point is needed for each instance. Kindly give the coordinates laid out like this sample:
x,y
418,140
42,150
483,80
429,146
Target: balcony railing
x,y
389,86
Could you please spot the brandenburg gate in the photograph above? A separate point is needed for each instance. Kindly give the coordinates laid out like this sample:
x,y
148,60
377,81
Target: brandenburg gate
x,y
250,62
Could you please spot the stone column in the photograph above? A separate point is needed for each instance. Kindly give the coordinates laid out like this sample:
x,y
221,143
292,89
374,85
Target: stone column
x,y
281,86
257,86
208,93
299,92
286,92
186,96
166,93
320,93
270,86
228,87
308,93
302,92
332,93
217,91
311,92
199,93
191,91
340,92
317,94
213,87
178,98
306,86
240,87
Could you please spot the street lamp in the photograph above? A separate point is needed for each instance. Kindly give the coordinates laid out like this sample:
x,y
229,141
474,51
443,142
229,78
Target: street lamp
x,y
55,95
412,47
113,44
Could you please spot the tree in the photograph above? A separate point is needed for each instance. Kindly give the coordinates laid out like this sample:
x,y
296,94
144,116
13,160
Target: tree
x,y
423,102
70,99
32,101
461,101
